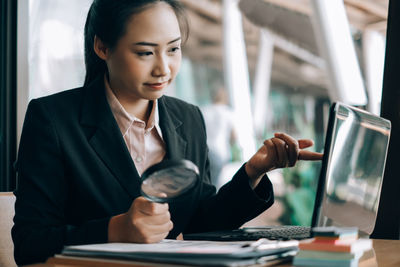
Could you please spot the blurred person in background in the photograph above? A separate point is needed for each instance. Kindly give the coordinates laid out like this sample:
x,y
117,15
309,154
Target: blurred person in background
x,y
221,134
82,151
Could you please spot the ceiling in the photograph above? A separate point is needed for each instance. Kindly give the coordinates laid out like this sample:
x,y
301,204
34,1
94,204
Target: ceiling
x,y
290,23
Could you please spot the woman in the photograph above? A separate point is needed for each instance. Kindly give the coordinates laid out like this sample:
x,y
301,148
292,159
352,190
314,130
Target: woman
x,y
82,151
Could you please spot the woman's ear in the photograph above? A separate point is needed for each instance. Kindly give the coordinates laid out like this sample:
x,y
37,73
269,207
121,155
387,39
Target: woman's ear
x,y
100,48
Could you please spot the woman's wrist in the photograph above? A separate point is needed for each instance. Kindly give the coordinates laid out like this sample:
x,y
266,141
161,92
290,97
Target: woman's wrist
x,y
254,176
251,171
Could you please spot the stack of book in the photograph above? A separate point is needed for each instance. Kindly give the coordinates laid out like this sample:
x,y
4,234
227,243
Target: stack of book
x,y
332,246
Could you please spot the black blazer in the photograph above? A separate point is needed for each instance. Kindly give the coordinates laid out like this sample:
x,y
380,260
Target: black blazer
x,y
75,173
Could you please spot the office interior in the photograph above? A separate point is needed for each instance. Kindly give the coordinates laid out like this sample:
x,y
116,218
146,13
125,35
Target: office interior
x,y
281,63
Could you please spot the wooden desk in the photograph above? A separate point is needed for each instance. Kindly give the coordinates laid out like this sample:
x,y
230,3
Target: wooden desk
x,y
385,253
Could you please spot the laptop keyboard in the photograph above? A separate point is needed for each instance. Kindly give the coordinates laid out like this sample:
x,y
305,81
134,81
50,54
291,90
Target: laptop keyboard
x,y
255,233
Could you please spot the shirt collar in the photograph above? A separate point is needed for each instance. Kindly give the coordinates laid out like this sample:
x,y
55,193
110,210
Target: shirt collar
x,y
124,119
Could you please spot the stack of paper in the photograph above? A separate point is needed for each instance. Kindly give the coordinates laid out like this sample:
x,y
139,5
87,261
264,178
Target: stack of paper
x,y
332,246
203,253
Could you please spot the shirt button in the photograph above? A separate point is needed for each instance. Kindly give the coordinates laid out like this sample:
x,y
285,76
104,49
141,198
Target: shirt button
x,y
139,159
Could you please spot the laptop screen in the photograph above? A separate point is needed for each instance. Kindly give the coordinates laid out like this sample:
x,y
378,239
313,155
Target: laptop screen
x,y
352,170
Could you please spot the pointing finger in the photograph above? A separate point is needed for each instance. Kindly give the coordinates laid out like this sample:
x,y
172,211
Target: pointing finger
x,y
309,155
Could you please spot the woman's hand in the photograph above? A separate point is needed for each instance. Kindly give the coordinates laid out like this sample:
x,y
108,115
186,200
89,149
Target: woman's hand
x,y
145,222
279,152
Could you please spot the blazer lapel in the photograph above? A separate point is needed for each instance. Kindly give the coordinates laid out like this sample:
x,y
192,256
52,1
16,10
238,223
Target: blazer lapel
x,y
170,127
107,139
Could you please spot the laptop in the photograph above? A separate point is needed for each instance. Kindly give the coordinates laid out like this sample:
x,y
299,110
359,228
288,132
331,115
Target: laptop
x,y
349,184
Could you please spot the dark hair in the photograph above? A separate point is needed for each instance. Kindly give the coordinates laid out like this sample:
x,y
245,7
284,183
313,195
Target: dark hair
x,y
107,19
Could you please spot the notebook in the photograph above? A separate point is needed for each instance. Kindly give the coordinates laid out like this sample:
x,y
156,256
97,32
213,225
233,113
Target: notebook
x,y
350,181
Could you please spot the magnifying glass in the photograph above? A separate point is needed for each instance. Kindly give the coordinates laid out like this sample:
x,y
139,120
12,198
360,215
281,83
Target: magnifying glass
x,y
169,179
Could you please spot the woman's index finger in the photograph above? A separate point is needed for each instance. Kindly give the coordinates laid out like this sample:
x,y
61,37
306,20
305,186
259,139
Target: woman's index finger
x,y
309,155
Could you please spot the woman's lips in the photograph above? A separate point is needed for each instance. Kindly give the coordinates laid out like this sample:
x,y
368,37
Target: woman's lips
x,y
157,86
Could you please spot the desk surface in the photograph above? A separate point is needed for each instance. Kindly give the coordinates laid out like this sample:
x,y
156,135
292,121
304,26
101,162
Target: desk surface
x,y
385,253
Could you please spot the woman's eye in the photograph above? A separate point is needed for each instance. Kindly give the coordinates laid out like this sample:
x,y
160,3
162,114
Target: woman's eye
x,y
142,54
174,49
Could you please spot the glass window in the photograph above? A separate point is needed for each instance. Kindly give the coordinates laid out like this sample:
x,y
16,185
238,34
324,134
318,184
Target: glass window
x,y
55,48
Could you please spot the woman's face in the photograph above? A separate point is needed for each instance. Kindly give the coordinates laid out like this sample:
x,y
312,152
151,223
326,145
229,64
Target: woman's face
x,y
147,58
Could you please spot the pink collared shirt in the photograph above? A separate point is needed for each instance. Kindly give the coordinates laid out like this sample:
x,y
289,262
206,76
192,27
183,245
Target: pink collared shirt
x,y
144,141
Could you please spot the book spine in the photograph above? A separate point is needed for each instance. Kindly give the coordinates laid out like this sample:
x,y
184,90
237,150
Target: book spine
x,y
349,247
324,247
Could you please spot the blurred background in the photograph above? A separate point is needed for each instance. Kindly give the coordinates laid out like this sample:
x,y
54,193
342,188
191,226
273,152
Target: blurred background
x,y
255,67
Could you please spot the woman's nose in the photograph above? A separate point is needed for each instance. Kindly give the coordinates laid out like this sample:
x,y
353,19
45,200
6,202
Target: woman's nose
x,y
161,67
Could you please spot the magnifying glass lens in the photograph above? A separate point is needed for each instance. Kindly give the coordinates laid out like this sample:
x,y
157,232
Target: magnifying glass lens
x,y
167,180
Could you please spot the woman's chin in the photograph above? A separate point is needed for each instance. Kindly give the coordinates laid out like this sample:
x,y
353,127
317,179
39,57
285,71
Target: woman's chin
x,y
155,95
